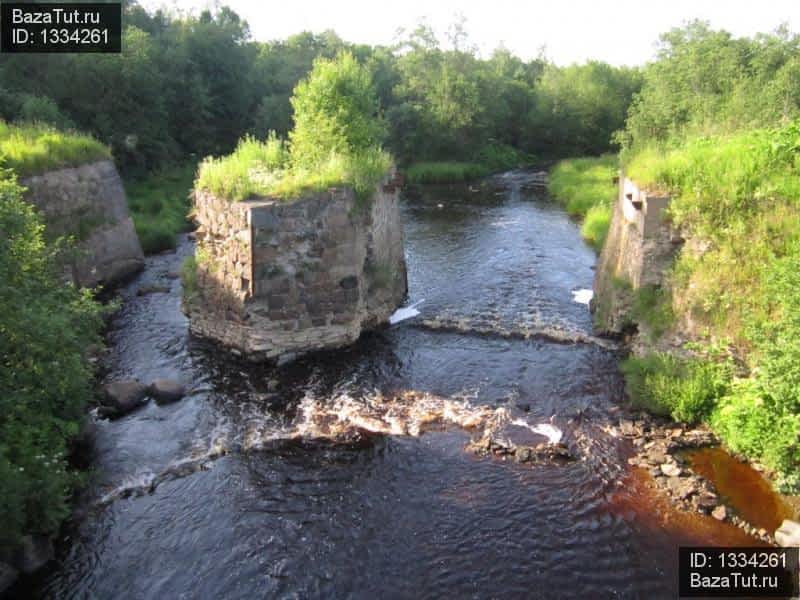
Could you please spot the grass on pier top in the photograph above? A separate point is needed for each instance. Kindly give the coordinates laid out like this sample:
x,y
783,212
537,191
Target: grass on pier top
x,y
31,148
264,169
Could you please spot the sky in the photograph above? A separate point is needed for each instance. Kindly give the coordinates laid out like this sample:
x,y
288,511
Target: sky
x,y
620,33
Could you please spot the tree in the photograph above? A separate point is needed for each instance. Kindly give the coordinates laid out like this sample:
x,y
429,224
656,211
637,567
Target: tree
x,y
335,111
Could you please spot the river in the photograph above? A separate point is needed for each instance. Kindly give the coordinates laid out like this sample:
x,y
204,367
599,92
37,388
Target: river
x,y
247,510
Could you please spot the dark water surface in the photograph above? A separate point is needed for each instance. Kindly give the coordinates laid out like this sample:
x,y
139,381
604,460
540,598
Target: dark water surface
x,y
401,516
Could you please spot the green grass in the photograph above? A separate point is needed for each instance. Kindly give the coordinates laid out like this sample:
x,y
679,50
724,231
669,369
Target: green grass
x,y
685,389
445,172
31,148
585,187
263,169
491,158
159,205
740,195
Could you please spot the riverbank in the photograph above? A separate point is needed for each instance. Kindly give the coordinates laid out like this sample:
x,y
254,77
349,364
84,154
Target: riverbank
x,y
713,340
585,188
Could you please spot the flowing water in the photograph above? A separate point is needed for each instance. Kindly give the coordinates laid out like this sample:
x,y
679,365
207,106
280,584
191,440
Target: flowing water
x,y
344,474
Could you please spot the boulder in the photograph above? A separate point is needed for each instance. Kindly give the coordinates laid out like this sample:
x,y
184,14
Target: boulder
x,y
788,534
123,397
670,470
8,576
720,513
166,391
35,551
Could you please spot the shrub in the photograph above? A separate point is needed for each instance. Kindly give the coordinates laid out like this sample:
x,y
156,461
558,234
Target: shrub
x,y
45,381
335,112
685,388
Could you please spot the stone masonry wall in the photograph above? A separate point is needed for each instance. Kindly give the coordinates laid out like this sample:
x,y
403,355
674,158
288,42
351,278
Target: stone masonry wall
x,y
638,250
88,202
277,279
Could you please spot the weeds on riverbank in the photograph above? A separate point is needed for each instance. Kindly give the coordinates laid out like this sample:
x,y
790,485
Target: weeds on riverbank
x,y
738,198
31,148
46,329
585,187
159,206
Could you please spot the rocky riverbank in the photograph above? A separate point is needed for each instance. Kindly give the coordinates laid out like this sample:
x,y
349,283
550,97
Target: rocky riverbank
x,y
660,448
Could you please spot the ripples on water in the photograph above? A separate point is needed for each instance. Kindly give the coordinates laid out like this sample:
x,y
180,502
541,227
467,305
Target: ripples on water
x,y
234,492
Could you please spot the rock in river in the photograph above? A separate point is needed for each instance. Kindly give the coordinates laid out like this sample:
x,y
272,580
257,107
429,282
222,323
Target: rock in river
x,y
720,513
166,391
123,397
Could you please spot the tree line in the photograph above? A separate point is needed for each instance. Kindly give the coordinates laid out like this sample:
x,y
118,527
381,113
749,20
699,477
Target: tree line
x,y
186,86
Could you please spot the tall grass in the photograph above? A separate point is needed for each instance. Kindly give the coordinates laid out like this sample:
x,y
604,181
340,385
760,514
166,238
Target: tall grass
x,y
258,169
31,148
159,206
585,187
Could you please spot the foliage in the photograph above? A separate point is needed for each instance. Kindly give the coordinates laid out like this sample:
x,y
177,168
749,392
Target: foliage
x,y
335,112
33,148
444,172
585,186
191,85
159,205
709,82
189,278
45,381
739,194
247,172
652,307
684,388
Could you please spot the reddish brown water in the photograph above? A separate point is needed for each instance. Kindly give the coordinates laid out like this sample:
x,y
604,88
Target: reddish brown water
x,y
743,488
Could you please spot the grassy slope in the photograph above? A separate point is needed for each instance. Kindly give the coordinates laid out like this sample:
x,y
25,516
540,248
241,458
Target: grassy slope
x,y
741,195
585,187
159,205
32,148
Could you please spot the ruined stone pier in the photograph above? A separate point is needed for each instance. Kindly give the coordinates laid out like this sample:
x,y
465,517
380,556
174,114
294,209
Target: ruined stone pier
x,y
278,278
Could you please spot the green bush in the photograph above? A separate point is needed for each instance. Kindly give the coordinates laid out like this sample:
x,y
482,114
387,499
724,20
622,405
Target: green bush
x,y
335,112
34,148
334,143
684,388
45,381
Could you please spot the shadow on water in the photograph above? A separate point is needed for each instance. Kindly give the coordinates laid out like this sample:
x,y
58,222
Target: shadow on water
x,y
268,513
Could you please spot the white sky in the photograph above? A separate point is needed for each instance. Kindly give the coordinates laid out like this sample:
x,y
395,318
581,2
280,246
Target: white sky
x,y
571,30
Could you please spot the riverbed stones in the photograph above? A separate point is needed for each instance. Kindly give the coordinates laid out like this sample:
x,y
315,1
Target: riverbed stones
x,y
720,513
166,391
670,470
788,534
123,397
